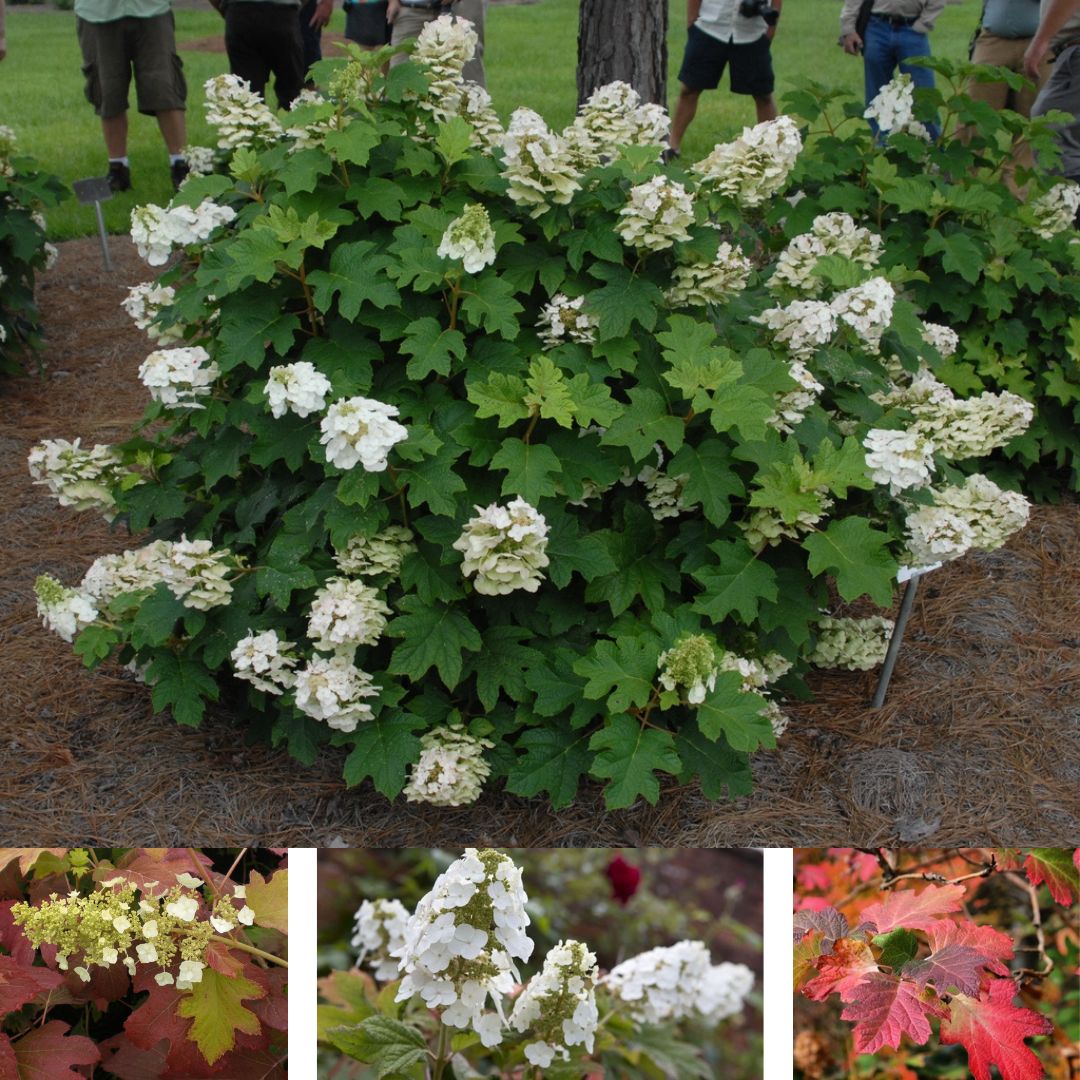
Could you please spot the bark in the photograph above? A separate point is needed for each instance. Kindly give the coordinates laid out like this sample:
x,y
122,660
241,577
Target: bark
x,y
625,40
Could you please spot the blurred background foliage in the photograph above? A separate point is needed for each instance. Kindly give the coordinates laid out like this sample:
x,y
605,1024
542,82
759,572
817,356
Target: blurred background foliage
x,y
619,901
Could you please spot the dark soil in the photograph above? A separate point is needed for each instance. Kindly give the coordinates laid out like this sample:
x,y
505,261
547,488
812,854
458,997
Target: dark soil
x,y
979,742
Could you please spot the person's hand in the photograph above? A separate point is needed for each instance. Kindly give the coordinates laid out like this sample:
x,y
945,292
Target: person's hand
x,y
321,15
770,31
392,9
1034,56
852,44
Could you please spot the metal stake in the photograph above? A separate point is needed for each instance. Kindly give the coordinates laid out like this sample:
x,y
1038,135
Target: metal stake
x,y
895,642
96,190
104,237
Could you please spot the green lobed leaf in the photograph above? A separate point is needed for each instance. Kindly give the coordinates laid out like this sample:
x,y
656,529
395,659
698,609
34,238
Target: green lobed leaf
x,y
858,554
554,761
623,671
383,749
629,756
182,685
432,637
731,712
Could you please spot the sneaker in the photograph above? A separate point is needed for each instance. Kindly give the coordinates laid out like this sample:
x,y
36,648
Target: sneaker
x,y
670,155
119,176
179,171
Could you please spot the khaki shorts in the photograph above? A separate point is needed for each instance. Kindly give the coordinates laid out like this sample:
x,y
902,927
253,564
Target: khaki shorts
x,y
112,49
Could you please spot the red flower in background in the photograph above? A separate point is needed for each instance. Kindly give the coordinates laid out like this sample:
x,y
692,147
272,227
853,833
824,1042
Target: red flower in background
x,y
624,877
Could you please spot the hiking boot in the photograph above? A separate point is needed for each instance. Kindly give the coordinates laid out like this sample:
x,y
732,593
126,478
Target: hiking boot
x,y
179,171
119,176
670,155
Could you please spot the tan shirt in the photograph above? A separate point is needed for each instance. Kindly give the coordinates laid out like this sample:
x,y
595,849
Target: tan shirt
x,y
925,12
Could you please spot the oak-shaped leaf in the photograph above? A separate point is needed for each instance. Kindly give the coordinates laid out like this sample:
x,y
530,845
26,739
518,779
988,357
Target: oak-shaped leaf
x,y
952,966
12,937
121,1058
153,871
269,899
49,1053
1057,868
388,1044
898,947
831,924
628,757
992,1030
885,1008
841,970
27,856
216,1005
20,984
915,911
995,947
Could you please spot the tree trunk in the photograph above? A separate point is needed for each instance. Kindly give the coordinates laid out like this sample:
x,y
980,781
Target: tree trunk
x,y
625,40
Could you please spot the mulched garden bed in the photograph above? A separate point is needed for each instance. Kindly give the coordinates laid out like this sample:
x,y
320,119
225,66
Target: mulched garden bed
x,y
979,741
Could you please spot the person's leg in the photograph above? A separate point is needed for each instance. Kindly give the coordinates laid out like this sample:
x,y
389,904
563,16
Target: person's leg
x,y
310,36
877,61
1062,91
766,108
476,12
703,64
107,71
173,130
160,87
242,33
407,25
992,51
115,131
283,46
685,110
910,43
366,25
752,74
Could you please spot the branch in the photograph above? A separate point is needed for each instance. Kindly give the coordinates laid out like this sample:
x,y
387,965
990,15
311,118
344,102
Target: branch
x,y
1028,974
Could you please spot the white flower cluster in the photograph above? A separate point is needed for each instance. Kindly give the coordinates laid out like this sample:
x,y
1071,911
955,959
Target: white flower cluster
x,y
663,493
694,284
469,238
830,234
537,163
200,160
76,476
656,215
8,146
360,430
559,1005
451,769
563,319
299,386
677,982
313,133
756,676
241,116
977,514
383,553
867,309
803,326
690,667
345,614
765,527
755,166
615,116
1055,211
445,46
63,611
334,690
960,428
145,304
792,405
505,547
901,459
893,107
462,940
473,104
265,661
852,644
943,338
179,377
156,230
195,573
378,932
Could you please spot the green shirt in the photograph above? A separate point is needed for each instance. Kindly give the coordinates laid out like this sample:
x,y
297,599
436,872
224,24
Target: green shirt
x,y
109,10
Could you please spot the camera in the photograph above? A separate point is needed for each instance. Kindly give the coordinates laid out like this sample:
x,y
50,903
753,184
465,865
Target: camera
x,y
749,8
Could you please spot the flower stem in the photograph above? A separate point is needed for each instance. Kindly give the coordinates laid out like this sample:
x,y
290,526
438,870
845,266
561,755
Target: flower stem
x,y
441,1053
244,947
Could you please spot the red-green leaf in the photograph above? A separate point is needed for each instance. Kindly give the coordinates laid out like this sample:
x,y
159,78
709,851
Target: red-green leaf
x,y
19,984
215,1004
48,1053
153,871
841,970
885,1009
951,966
269,900
828,920
1058,869
992,1030
912,910
994,946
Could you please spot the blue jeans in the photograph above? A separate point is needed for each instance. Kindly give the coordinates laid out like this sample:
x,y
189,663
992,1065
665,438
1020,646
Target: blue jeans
x,y
885,48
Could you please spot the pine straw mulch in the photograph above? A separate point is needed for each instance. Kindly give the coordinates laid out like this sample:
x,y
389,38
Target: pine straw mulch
x,y
978,743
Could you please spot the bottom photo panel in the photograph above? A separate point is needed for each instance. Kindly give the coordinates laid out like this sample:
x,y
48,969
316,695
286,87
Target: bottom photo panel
x,y
514,964
940,962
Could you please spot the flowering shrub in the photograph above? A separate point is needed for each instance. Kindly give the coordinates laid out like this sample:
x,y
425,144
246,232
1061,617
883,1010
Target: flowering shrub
x,y
509,456
25,191
905,957
986,243
453,965
145,962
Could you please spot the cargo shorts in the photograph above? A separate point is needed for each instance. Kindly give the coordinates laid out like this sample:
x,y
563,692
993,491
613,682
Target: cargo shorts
x,y
112,50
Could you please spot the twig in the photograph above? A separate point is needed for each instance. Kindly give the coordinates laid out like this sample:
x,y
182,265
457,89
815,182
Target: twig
x,y
1040,936
236,863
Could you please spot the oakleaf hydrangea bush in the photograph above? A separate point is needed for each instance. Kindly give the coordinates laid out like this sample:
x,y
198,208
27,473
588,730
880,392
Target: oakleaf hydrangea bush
x,y
506,457
453,965
983,242
25,191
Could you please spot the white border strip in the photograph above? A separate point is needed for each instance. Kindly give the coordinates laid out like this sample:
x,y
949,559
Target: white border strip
x,y
303,904
778,865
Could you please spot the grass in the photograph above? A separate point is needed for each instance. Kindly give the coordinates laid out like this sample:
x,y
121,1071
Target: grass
x,y
532,55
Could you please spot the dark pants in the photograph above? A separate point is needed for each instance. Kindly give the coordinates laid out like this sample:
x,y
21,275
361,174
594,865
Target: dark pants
x,y
263,39
1062,91
311,36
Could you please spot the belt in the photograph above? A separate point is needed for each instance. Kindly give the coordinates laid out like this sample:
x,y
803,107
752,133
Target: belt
x,y
421,3
894,20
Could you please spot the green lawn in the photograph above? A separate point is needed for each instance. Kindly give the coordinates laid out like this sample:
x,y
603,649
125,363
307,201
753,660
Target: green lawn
x,y
531,61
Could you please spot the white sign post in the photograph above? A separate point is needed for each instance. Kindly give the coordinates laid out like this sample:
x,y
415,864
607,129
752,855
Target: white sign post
x,y
96,190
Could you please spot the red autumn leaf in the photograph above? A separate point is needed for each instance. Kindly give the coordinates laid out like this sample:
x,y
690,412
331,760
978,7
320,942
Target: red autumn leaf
x,y
272,1010
153,870
841,970
885,1009
958,966
1057,868
814,876
12,937
156,1018
126,1061
20,984
828,921
992,1030
106,984
27,856
267,1064
9,1064
995,946
48,1053
912,910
